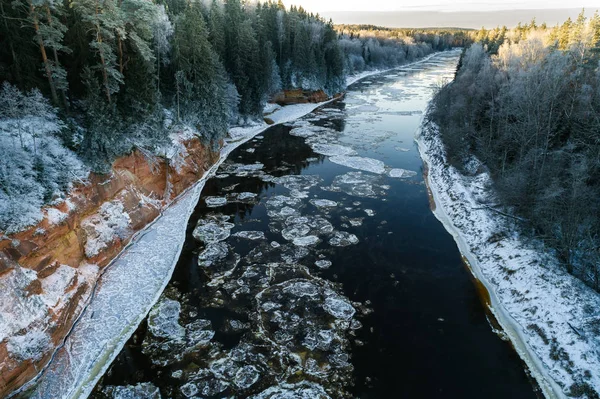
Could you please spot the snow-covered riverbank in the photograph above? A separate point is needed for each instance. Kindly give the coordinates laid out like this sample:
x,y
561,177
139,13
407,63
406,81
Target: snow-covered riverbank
x,y
551,318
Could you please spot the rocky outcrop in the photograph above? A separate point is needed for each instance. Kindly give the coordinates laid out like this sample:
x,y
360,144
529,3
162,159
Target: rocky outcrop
x,y
299,96
48,271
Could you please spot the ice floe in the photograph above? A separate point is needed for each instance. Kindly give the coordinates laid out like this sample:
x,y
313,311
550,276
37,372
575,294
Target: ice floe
x,y
360,163
401,173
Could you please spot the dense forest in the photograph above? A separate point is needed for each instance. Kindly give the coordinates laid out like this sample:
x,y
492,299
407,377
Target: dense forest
x,y
526,102
368,46
86,81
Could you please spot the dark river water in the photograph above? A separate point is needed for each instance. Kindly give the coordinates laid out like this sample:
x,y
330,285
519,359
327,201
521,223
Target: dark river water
x,y
318,270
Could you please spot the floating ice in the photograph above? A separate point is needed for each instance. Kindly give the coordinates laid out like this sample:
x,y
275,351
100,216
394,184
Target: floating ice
x,y
304,131
246,377
323,264
303,390
214,202
323,203
357,184
370,212
245,196
144,390
302,288
360,163
306,241
355,222
163,320
343,239
188,390
212,253
250,235
402,149
332,149
212,231
283,213
320,225
199,333
278,201
318,339
339,308
295,231
298,182
401,173
249,168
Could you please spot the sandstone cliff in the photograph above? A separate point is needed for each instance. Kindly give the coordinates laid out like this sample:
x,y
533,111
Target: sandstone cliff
x,y
47,272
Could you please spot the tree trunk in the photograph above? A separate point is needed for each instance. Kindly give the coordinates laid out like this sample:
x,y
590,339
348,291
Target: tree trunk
x,y
63,92
47,66
102,60
17,68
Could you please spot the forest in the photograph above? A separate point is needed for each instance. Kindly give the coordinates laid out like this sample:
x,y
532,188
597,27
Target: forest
x,y
85,81
526,103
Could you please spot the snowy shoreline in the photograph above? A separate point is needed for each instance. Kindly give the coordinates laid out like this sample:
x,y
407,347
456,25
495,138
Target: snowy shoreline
x,y
547,314
104,327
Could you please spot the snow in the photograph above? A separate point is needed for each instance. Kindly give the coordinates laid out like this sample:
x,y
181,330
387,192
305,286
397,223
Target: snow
x,y
30,346
55,216
551,318
360,163
107,225
24,192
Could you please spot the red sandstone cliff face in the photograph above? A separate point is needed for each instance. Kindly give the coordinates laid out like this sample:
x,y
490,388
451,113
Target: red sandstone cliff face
x,y
299,96
47,272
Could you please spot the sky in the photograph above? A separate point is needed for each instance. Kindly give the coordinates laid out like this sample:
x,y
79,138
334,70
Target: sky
x,y
437,5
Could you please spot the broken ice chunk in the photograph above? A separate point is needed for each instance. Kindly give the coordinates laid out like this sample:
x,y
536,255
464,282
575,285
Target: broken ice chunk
x,y
250,235
214,202
339,308
360,163
144,390
323,264
343,239
401,173
246,377
323,203
213,252
212,231
306,241
332,149
163,320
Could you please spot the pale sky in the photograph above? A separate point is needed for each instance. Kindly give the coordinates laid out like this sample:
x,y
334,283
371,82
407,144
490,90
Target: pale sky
x,y
437,5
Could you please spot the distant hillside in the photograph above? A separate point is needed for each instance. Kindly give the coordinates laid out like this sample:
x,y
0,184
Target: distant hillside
x,y
470,19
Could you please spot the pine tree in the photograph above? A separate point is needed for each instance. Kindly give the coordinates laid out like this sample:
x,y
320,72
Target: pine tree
x,y
201,82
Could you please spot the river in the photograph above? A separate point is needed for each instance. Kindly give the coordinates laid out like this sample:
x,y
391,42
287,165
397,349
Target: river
x,y
318,270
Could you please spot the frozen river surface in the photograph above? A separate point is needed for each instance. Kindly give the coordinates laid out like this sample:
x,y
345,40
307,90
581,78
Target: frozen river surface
x,y
314,268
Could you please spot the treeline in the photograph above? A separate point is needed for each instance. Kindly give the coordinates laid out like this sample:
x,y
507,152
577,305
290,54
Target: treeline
x,y
526,102
368,46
